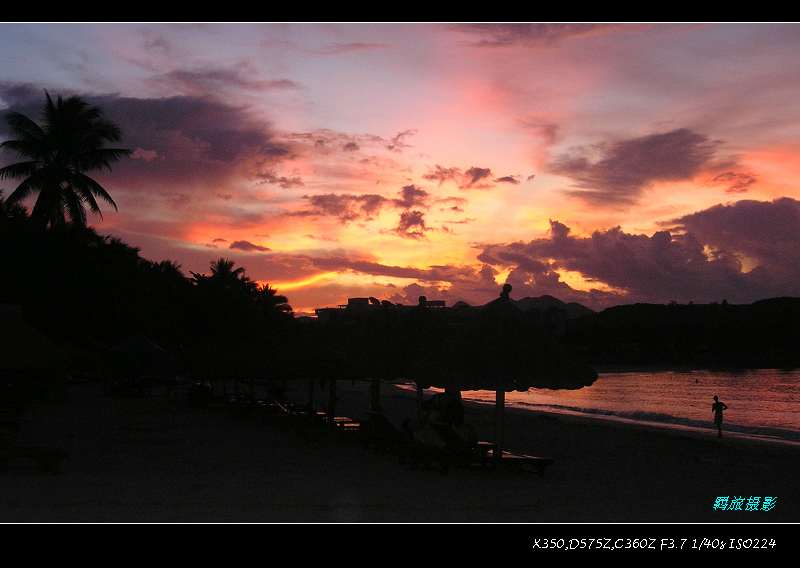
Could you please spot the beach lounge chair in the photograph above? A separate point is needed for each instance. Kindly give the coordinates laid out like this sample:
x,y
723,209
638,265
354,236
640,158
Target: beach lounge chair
x,y
340,423
345,424
522,462
481,454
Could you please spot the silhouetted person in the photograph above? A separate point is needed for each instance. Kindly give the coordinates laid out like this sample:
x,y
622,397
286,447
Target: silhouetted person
x,y
717,408
505,294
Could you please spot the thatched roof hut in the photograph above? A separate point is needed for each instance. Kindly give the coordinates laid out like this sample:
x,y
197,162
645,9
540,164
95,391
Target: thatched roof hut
x,y
495,347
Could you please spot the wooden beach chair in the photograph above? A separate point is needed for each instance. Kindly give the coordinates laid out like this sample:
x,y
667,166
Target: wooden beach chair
x,y
521,462
345,424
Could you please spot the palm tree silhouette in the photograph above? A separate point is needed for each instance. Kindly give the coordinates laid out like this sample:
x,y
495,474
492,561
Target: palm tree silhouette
x,y
223,270
269,298
70,142
224,275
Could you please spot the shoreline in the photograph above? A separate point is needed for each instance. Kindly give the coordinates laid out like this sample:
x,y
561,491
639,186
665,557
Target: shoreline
x,y
622,369
651,425
584,418
700,432
658,427
159,460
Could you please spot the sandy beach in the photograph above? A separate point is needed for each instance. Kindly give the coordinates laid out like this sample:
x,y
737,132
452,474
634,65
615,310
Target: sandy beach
x,y
159,460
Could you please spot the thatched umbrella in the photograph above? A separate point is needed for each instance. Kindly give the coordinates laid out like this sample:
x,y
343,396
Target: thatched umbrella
x,y
350,344
321,351
496,347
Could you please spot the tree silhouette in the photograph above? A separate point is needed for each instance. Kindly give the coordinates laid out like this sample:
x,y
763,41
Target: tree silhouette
x,y
269,299
224,276
56,156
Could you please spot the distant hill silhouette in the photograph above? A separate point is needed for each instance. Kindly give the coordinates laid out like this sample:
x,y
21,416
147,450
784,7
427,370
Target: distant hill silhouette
x,y
762,334
573,310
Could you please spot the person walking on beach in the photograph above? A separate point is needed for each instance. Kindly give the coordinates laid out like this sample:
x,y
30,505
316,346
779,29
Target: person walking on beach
x,y
717,409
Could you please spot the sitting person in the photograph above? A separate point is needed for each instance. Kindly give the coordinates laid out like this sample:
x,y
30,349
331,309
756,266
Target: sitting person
x,y
442,423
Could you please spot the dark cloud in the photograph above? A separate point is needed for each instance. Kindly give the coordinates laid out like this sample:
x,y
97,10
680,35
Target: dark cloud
x,y
620,171
22,97
442,174
347,207
531,34
247,246
207,81
181,142
735,182
398,142
412,196
350,207
412,225
476,176
508,179
472,178
282,181
768,232
327,141
702,259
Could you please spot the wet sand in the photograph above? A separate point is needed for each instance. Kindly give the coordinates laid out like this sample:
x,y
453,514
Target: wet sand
x,y
158,460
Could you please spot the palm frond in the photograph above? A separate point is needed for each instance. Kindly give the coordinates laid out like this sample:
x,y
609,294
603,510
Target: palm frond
x,y
24,127
18,170
86,196
101,158
106,130
88,184
49,207
83,191
74,206
24,189
26,148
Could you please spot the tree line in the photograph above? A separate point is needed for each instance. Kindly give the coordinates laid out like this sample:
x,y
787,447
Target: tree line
x,y
87,291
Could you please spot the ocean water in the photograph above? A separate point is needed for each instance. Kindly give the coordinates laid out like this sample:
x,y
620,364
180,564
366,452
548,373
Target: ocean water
x,y
762,403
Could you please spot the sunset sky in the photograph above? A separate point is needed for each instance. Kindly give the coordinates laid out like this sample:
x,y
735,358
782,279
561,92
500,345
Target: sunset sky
x,y
603,164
